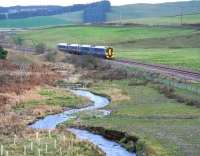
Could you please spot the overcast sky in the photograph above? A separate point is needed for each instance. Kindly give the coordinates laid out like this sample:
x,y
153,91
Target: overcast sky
x,y
69,2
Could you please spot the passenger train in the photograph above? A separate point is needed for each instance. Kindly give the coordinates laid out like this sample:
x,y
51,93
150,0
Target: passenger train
x,y
97,51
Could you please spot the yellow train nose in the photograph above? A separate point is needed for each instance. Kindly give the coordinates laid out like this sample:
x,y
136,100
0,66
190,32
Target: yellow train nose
x,y
109,53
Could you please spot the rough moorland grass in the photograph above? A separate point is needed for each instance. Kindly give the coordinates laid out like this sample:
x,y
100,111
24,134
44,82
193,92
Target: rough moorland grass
x,y
99,35
55,97
167,127
184,57
66,144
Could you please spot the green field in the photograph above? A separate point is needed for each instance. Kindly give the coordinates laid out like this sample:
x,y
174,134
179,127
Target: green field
x,y
173,20
43,21
165,20
169,128
171,46
100,35
187,57
66,144
31,22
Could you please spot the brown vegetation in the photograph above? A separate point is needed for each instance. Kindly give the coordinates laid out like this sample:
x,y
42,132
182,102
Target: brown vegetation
x,y
16,81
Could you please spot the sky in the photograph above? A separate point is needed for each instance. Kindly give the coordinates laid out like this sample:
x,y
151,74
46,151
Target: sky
x,y
70,2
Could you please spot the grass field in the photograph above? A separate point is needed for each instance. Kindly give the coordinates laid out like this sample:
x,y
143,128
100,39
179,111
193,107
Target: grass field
x,y
32,22
171,20
100,35
42,21
57,143
168,128
187,57
54,98
171,46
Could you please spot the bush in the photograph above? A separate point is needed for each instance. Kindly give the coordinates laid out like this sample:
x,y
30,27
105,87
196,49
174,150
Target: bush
x,y
18,40
88,62
51,56
40,48
3,53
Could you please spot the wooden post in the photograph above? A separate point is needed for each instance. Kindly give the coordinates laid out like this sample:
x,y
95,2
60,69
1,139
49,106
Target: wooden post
x,y
39,141
60,151
49,134
31,146
64,138
55,144
37,135
6,153
24,150
39,152
1,150
46,149
14,141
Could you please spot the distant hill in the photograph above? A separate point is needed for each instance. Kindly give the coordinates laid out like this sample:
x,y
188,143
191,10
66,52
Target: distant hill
x,y
153,10
92,13
167,20
139,13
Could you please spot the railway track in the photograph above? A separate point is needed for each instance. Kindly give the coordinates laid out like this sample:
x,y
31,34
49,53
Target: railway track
x,y
182,73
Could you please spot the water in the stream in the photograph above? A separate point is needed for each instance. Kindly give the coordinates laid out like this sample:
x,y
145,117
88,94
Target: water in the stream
x,y
109,147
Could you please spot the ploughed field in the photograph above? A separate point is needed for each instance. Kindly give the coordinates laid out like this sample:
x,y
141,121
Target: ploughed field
x,y
171,46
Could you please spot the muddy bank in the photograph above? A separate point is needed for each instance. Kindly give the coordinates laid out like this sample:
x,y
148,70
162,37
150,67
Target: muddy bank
x,y
127,141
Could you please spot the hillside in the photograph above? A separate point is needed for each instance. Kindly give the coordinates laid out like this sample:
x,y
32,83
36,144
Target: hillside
x,y
168,20
153,10
136,13
42,21
171,46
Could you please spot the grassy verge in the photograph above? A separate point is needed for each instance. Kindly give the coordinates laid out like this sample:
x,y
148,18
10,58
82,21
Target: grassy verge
x,y
57,143
186,57
162,124
49,101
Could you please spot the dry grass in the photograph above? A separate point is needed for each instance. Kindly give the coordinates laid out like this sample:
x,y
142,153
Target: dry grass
x,y
19,82
116,94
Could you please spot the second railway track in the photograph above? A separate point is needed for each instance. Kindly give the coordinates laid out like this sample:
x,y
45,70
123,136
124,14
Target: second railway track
x,y
182,73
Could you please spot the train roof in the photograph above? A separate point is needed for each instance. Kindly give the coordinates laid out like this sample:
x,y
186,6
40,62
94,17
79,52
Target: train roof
x,y
62,44
100,47
87,46
74,45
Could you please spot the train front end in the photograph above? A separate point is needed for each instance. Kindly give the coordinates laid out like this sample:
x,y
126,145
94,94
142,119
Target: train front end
x,y
109,54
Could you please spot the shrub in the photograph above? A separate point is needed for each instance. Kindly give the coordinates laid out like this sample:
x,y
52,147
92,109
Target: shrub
x,y
51,56
3,53
40,48
18,40
88,62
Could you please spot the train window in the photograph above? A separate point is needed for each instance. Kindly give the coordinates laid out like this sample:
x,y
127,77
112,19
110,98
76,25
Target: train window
x,y
85,48
99,50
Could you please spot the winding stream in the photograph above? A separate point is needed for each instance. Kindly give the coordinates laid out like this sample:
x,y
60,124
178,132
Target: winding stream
x,y
109,147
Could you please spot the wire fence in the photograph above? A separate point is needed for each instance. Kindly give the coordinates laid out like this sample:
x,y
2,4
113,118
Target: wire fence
x,y
171,82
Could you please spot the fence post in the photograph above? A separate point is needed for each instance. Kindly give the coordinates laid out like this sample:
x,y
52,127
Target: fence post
x,y
1,150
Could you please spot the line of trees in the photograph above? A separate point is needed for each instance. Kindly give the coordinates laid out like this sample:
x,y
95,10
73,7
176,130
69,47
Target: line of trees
x,y
96,12
93,13
2,16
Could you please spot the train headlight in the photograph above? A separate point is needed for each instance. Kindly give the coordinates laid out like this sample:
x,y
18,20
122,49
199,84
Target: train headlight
x,y
109,53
